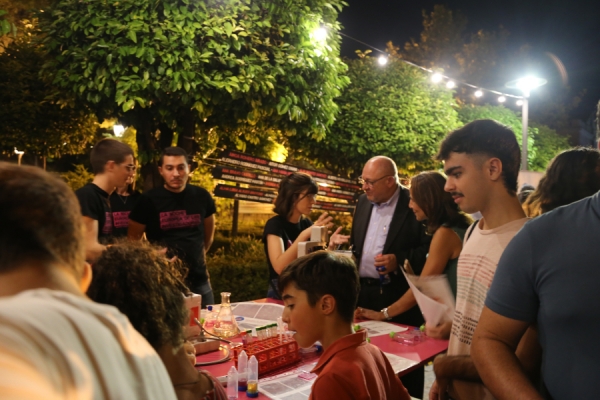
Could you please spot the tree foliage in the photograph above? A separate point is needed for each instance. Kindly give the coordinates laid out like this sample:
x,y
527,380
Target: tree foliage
x,y
391,110
30,122
184,70
543,143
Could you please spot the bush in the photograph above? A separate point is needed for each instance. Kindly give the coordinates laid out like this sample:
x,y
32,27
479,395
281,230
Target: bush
x,y
240,269
78,178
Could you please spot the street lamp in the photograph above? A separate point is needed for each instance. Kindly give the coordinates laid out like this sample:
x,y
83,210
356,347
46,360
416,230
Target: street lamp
x,y
19,154
118,130
525,85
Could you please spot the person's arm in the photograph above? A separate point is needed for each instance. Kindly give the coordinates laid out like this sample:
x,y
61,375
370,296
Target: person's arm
x,y
209,232
93,249
493,350
135,230
281,257
443,245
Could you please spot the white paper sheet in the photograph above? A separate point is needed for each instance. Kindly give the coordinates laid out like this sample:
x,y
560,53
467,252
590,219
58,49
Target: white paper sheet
x,y
434,297
378,328
399,363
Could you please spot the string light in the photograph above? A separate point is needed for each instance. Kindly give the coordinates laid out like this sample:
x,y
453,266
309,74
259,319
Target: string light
x,y
519,102
437,77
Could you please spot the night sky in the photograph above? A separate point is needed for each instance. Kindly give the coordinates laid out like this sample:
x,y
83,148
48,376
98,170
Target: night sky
x,y
570,29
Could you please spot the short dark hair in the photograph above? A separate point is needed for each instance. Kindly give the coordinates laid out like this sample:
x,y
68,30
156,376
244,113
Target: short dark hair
x,y
572,175
290,189
173,151
427,190
40,220
108,150
146,287
489,138
321,273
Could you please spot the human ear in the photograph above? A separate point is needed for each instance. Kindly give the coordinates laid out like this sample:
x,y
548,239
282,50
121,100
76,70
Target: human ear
x,y
86,277
327,304
494,168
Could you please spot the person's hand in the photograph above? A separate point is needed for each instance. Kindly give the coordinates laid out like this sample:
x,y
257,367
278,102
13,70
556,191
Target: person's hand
x,y
324,220
190,352
441,331
439,389
386,260
336,239
364,313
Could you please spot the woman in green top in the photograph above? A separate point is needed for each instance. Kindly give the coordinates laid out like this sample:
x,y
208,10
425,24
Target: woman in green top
x,y
445,222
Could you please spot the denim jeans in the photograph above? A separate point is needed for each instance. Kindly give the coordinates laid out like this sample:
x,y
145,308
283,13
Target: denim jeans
x,y
206,291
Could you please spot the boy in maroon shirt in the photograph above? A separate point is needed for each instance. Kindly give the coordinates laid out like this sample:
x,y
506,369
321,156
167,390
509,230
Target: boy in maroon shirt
x,y
320,292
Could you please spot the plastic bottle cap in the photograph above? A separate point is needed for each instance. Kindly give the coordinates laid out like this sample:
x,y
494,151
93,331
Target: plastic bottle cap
x,y
209,308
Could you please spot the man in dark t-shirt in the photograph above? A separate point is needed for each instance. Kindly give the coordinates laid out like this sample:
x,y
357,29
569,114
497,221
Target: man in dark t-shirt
x,y
112,164
179,216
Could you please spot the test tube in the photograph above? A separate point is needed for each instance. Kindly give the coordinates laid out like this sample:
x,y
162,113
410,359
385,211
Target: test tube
x,y
242,371
280,328
249,337
252,390
232,384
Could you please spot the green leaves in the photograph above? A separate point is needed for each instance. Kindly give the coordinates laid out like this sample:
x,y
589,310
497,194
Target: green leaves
x,y
242,66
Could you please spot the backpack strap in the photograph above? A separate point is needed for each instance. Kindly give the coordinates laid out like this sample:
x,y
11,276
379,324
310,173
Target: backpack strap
x,y
470,229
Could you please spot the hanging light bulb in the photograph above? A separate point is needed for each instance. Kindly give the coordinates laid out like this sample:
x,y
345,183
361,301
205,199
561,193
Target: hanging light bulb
x,y
519,102
436,78
450,84
382,60
501,99
478,93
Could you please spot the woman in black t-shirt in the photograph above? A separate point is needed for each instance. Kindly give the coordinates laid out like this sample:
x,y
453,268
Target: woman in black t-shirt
x,y
296,197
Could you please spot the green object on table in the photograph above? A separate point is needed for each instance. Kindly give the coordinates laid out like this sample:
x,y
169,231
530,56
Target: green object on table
x,y
422,328
356,328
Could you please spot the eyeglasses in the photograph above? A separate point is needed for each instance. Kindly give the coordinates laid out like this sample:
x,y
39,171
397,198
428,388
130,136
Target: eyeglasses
x,y
366,182
130,167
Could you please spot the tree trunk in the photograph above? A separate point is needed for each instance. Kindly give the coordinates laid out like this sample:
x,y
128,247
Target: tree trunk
x,y
148,149
187,133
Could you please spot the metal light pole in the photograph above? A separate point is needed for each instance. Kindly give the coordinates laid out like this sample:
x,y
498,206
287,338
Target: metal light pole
x,y
526,85
19,155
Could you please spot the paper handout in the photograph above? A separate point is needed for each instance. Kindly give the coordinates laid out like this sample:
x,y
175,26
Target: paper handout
x,y
434,297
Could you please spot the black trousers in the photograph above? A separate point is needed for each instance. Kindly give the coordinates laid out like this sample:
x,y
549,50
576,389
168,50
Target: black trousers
x,y
375,297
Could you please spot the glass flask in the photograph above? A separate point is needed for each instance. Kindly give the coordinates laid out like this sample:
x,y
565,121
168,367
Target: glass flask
x,y
225,325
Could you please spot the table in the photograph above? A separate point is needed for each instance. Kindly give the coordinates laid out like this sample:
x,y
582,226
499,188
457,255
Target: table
x,y
421,353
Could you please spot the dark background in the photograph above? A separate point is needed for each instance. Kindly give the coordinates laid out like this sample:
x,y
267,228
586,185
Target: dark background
x,y
570,29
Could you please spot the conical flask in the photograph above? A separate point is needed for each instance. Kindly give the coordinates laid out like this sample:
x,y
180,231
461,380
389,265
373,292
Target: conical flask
x,y
225,325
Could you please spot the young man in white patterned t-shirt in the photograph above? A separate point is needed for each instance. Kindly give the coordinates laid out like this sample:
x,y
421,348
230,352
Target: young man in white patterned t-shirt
x,y
482,162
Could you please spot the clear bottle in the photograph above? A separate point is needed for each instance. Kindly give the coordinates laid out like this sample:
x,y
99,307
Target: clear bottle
x,y
409,337
243,371
225,324
209,320
252,390
232,384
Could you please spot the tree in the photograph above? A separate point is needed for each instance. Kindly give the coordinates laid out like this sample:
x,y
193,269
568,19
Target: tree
x,y
186,71
30,122
543,143
391,110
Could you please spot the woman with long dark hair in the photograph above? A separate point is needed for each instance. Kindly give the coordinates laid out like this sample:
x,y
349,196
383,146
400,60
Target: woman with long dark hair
x,y
445,222
295,198
572,175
